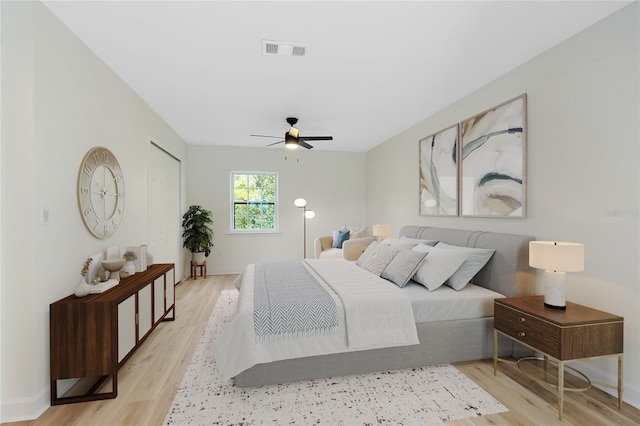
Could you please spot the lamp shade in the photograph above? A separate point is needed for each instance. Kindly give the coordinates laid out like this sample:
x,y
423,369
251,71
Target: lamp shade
x,y
381,230
300,202
556,256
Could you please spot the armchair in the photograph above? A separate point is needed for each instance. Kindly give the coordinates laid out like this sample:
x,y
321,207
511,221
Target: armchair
x,y
351,248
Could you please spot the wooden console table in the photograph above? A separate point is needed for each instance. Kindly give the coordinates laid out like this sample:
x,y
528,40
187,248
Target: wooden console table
x,y
573,334
92,336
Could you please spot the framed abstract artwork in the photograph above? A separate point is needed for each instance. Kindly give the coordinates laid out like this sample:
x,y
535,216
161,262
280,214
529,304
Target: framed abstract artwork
x,y
439,173
492,157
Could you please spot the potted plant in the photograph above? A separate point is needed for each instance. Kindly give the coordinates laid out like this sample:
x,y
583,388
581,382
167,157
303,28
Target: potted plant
x,y
197,234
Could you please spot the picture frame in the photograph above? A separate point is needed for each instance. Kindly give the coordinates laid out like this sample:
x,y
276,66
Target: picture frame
x,y
438,154
492,160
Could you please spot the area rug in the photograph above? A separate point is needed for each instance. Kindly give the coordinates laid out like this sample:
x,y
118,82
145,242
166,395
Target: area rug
x,y
416,396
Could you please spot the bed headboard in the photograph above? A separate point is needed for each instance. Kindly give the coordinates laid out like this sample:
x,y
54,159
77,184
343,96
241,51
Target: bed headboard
x,y
508,272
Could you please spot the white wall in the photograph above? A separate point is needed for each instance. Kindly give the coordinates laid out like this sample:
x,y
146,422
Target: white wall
x,y
58,101
333,183
583,169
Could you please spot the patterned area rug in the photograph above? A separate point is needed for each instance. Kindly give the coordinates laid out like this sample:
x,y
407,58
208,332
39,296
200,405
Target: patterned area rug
x,y
415,396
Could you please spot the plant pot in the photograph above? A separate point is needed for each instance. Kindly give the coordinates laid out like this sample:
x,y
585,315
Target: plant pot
x,y
198,257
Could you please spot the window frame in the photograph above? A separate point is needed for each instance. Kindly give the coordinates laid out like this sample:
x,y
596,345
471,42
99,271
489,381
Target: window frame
x,y
232,203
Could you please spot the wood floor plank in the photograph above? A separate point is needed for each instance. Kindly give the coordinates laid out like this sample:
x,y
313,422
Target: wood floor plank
x,y
149,380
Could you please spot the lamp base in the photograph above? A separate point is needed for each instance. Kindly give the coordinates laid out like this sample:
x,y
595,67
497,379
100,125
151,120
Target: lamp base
x,y
561,308
554,293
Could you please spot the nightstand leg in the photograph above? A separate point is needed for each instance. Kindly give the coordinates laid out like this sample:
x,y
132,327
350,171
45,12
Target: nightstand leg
x,y
560,388
619,381
495,352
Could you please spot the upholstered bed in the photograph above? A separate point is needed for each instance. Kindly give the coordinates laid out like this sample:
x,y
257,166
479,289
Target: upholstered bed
x,y
446,332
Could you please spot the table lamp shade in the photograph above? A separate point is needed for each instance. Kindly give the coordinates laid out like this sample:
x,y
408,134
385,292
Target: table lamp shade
x,y
556,256
381,230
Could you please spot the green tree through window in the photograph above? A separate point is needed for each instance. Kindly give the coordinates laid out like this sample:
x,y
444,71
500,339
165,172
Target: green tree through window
x,y
254,200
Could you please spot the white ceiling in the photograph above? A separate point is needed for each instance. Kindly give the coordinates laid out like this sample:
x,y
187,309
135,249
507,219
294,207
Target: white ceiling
x,y
372,69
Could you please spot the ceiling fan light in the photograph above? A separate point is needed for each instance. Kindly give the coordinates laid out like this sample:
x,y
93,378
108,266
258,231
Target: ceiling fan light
x,y
290,141
293,132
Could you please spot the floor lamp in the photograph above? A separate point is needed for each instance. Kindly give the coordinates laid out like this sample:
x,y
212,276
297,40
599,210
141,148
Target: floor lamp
x,y
301,203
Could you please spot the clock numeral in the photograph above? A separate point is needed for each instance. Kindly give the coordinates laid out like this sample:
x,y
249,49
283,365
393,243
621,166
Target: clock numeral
x,y
87,169
121,195
96,225
88,211
118,178
106,229
114,224
84,190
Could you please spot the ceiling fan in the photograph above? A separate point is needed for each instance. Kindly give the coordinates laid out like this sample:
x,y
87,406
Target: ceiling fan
x,y
292,139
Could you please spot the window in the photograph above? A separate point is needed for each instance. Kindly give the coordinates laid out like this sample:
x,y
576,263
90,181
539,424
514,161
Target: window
x,y
254,201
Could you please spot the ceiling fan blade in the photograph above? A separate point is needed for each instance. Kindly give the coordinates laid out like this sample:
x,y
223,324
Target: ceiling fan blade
x,y
315,138
275,143
304,144
266,136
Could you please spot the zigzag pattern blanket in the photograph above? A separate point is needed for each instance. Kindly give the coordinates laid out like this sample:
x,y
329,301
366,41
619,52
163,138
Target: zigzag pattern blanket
x,y
289,301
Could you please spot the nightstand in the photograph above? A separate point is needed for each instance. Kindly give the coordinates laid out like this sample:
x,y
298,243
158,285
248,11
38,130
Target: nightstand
x,y
576,333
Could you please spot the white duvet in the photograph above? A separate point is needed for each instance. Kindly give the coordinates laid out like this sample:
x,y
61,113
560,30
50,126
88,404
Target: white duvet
x,y
372,313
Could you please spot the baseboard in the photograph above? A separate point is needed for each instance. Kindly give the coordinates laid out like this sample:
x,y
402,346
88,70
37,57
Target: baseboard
x,y
21,409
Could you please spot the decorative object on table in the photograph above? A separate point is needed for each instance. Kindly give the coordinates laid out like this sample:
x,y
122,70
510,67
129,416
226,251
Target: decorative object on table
x,y
140,262
100,192
381,231
197,234
556,258
492,158
113,266
83,288
301,203
129,267
439,173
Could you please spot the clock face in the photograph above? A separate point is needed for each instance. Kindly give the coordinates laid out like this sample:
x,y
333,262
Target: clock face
x,y
101,192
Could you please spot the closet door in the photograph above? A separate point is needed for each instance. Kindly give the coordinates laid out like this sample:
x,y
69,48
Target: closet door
x,y
165,216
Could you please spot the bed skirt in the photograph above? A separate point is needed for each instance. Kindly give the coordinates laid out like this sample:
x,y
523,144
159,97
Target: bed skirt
x,y
440,343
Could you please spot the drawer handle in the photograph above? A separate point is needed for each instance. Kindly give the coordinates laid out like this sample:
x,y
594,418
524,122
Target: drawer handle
x,y
522,334
522,319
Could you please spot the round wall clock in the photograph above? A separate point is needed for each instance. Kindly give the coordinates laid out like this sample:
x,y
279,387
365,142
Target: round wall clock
x,y
101,192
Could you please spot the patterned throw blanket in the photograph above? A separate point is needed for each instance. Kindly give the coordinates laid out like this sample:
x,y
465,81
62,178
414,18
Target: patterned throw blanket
x,y
289,301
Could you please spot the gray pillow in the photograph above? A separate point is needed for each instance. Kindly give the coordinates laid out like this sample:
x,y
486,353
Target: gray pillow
x,y
476,259
376,257
438,266
403,266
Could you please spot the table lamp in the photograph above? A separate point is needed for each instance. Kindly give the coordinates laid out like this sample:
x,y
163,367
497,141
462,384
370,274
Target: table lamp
x,y
556,258
381,231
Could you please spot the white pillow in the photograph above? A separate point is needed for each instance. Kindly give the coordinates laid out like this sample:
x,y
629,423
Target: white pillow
x,y
398,243
419,241
438,266
476,259
357,231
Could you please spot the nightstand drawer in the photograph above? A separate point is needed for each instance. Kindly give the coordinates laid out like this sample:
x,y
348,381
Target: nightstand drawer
x,y
530,330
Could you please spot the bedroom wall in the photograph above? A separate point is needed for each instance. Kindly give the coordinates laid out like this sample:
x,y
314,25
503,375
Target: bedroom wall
x,y
583,169
333,183
58,101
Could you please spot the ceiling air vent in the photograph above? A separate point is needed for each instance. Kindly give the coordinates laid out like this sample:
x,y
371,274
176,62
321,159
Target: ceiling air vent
x,y
270,47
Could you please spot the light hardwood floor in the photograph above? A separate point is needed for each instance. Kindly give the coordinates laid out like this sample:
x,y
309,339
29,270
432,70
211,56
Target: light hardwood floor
x,y
148,381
